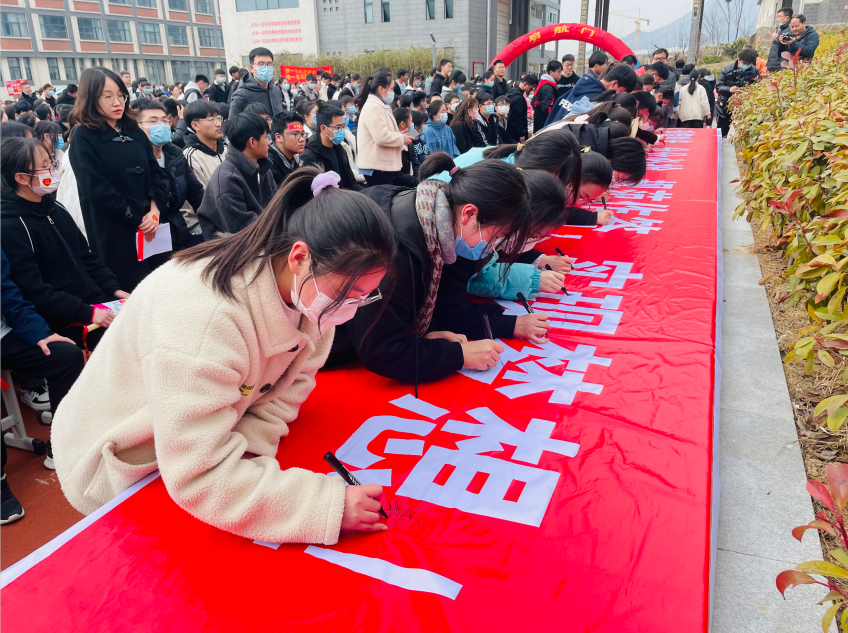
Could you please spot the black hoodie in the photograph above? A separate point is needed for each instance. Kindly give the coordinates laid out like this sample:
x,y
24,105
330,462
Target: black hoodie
x,y
390,348
51,261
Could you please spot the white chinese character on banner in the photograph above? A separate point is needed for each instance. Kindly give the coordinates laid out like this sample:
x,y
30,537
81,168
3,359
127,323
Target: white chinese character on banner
x,y
509,491
536,379
567,314
616,273
639,225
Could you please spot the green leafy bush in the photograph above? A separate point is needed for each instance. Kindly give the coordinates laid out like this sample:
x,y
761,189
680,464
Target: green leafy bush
x,y
712,59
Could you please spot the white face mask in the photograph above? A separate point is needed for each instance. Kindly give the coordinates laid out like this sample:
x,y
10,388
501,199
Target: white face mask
x,y
503,110
47,183
341,314
454,106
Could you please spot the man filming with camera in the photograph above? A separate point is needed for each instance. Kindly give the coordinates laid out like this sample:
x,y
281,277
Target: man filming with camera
x,y
733,77
803,38
784,17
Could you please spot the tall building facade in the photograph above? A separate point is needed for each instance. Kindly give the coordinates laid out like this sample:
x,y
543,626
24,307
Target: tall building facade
x,y
473,31
53,41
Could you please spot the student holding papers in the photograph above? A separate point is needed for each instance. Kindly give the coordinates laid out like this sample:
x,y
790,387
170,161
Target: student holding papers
x,y
50,259
209,361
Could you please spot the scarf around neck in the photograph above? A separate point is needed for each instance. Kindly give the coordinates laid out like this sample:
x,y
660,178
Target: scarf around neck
x,y
434,214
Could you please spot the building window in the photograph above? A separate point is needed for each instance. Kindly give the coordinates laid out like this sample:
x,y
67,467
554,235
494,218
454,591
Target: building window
x,y
202,6
205,68
387,12
149,33
53,27
90,29
260,5
182,71
537,11
369,12
53,68
431,9
220,35
14,25
119,1
553,16
70,68
119,31
448,9
206,37
177,36
15,68
155,70
151,4
177,5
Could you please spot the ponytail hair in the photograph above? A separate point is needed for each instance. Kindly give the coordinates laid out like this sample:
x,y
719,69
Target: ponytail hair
x,y
496,188
382,79
346,232
693,81
627,155
548,207
556,151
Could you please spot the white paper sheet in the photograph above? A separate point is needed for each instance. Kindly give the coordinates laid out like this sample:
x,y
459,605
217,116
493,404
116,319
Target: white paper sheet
x,y
161,243
409,578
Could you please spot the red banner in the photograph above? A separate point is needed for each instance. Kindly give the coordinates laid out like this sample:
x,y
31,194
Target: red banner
x,y
569,489
13,87
298,73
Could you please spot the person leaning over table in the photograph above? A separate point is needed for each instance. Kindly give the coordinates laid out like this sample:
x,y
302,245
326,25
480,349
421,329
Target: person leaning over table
x,y
210,360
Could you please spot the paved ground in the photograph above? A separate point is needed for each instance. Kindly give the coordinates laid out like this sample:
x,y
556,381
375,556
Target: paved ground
x,y
762,473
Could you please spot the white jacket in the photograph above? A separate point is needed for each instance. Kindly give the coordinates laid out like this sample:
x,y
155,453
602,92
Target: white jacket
x,y
693,107
377,135
189,382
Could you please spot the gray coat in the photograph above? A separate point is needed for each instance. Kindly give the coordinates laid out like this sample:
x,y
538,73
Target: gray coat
x,y
236,194
251,91
774,58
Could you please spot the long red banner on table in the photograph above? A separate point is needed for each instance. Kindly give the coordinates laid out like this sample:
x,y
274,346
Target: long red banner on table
x,y
570,489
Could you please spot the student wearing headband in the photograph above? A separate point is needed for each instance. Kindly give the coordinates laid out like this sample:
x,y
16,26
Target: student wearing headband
x,y
210,360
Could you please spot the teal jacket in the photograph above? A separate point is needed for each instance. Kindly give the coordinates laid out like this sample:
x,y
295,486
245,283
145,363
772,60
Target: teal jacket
x,y
523,278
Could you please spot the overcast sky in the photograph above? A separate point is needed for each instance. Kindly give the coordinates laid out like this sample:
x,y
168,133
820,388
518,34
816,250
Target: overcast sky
x,y
659,13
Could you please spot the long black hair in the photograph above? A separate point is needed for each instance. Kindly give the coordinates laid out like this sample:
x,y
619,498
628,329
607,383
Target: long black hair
x,y
596,170
548,207
556,151
382,79
496,188
18,157
627,155
693,80
86,111
346,232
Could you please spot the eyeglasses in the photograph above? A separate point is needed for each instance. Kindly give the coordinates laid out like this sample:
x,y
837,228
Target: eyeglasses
x,y
335,128
214,119
263,65
362,301
152,122
113,98
298,136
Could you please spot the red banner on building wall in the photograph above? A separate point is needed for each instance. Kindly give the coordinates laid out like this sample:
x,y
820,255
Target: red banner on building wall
x,y
298,73
13,87
569,489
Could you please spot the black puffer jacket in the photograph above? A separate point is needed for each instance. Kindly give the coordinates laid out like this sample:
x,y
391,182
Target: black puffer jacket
x,y
182,186
51,261
251,91
390,348
774,59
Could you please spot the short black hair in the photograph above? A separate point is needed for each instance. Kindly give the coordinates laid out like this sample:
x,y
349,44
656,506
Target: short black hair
x,y
443,62
220,71
624,75
630,59
143,82
496,62
149,104
598,58
801,18
28,119
553,66
661,50
233,69
401,115
326,113
568,58
531,79
402,72
64,111
406,100
23,105
280,122
749,56
417,97
197,110
679,64
787,11
202,78
170,106
259,51
661,69
71,89
418,118
43,112
257,108
647,79
243,127
355,76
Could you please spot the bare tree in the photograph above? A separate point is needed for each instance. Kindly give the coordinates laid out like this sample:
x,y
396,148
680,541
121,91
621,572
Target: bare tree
x,y
714,26
733,19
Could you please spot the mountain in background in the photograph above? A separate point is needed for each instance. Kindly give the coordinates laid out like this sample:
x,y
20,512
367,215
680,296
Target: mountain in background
x,y
669,36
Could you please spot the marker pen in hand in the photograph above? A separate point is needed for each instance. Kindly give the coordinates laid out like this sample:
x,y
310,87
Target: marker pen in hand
x,y
526,305
345,474
487,330
548,267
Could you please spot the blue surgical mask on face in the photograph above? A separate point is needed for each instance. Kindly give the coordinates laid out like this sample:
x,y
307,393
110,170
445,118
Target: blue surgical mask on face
x,y
488,109
314,122
264,73
59,144
311,86
285,86
462,249
160,134
50,93
442,118
338,136
347,120
389,99
355,86
351,109
744,66
459,89
148,91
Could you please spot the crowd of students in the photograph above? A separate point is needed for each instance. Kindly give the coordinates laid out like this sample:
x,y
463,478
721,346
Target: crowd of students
x,y
311,225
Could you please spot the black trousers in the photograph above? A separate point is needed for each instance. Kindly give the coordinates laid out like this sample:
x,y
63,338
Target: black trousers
x,y
696,123
61,368
391,178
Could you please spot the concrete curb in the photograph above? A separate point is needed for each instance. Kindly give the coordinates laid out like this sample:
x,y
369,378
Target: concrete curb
x,y
762,474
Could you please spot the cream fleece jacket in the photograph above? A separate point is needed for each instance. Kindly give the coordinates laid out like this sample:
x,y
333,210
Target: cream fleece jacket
x,y
380,143
188,382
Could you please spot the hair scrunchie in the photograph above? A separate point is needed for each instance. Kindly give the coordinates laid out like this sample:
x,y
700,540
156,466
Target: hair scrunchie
x,y
322,181
454,170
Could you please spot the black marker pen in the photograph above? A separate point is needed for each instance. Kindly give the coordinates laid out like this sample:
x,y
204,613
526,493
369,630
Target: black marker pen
x,y
548,267
487,329
523,301
345,474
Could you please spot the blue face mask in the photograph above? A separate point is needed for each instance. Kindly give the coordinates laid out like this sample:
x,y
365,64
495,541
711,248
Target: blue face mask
x,y
442,118
160,134
462,249
337,137
459,89
148,91
488,109
389,99
744,66
351,109
355,86
347,120
50,93
59,144
311,86
264,73
314,122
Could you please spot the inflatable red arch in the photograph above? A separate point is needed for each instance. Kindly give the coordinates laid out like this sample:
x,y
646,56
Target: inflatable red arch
x,y
565,31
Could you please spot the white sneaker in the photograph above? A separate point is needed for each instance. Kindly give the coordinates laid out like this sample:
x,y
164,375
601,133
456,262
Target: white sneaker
x,y
37,398
48,461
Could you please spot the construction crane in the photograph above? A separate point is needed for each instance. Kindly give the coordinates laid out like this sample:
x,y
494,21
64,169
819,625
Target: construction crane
x,y
638,19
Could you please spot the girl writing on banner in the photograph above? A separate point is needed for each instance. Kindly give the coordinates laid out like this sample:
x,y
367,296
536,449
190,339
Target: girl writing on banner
x,y
212,356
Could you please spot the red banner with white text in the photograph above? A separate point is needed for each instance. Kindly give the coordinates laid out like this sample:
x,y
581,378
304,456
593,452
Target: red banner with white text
x,y
570,489
298,73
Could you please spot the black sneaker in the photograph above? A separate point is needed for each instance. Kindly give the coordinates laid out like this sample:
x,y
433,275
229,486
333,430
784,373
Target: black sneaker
x,y
11,507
